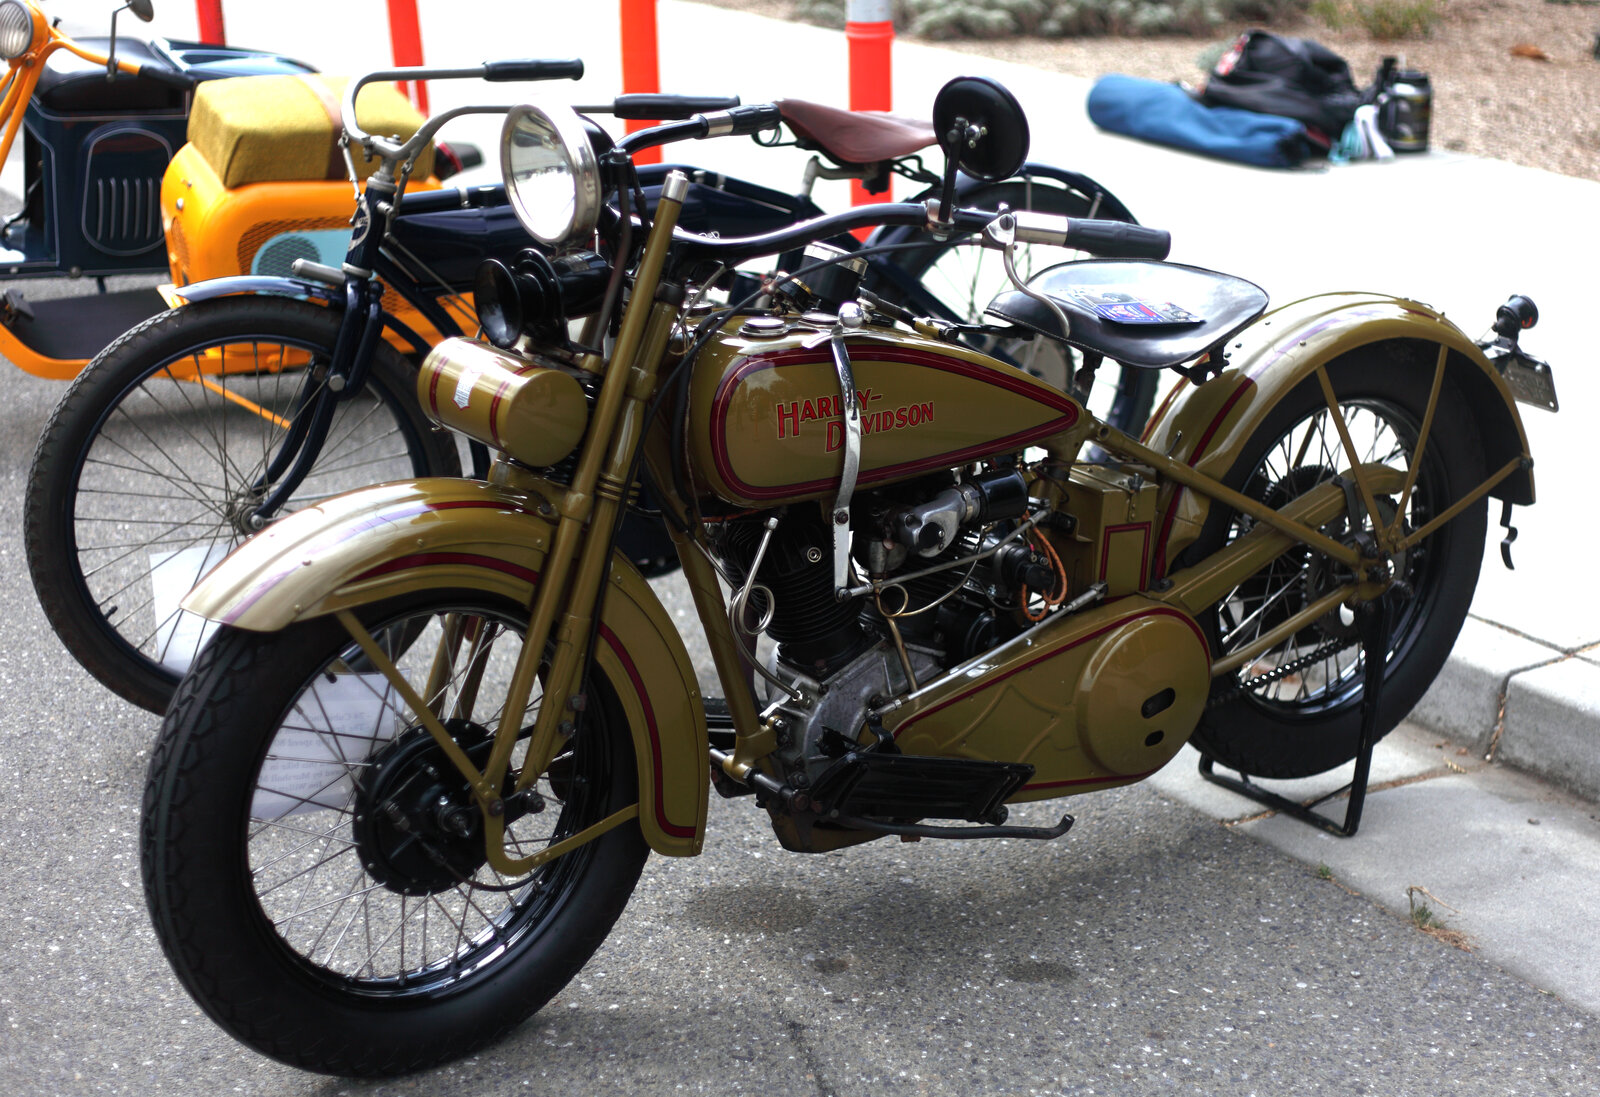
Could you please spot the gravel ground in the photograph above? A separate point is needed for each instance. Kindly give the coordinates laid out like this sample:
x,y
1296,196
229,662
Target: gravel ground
x,y
1486,101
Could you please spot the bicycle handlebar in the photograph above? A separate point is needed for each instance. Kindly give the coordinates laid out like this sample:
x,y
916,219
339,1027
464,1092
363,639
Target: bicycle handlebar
x,y
496,71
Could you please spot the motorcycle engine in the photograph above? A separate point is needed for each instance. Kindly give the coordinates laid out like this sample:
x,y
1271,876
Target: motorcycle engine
x,y
944,602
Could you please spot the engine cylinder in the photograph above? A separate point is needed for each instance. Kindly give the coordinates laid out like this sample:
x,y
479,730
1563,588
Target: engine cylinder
x,y
814,630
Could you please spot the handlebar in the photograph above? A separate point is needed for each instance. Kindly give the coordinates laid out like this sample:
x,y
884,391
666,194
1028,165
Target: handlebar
x,y
736,122
173,78
498,71
662,106
1113,239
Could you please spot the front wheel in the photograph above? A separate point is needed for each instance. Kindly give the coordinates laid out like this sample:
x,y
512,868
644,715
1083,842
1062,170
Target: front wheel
x,y
315,866
956,280
151,468
1294,710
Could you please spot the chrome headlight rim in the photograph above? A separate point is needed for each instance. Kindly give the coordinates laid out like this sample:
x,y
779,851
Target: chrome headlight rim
x,y
568,148
16,29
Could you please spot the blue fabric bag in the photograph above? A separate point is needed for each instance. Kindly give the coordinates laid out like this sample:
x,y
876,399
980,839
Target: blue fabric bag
x,y
1168,115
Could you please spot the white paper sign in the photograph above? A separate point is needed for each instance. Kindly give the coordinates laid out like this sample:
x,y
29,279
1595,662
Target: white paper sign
x,y
333,729
180,635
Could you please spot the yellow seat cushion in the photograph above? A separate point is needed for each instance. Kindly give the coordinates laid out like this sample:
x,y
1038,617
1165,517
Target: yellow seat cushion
x,y
258,129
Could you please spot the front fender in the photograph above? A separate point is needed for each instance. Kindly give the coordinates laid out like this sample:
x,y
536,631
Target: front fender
x,y
236,284
1207,426
379,542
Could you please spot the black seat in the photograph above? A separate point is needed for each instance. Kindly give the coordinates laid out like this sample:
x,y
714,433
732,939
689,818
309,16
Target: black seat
x,y
1220,305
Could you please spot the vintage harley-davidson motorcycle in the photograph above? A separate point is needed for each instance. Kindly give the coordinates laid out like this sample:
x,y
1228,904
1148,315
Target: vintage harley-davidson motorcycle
x,y
407,788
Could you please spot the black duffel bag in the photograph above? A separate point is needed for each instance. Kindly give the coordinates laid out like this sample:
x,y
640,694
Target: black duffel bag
x,y
1292,77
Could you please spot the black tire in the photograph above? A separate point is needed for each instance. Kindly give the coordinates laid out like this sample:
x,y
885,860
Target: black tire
x,y
139,481
1308,721
967,278
279,894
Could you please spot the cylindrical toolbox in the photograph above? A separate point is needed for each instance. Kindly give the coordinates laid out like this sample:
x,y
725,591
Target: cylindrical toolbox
x,y
534,412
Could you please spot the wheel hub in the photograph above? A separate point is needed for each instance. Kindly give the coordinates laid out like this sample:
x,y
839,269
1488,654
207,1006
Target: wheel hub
x,y
418,829
240,511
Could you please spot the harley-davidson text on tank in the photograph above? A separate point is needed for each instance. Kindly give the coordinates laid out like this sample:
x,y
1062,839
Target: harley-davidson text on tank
x,y
768,426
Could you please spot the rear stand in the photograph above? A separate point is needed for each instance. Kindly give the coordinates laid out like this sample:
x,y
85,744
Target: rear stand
x,y
1375,621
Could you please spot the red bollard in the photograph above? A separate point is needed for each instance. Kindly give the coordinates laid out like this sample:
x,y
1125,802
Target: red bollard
x,y
208,14
405,37
641,68
869,29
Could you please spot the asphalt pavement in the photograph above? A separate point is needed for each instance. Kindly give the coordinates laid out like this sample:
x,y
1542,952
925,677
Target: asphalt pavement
x,y
1175,941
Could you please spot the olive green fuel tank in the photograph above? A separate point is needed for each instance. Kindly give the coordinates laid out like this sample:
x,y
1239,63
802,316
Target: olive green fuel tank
x,y
766,423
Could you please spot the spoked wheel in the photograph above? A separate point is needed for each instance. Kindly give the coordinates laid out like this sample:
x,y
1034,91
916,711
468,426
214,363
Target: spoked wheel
x,y
1294,709
315,865
154,466
964,278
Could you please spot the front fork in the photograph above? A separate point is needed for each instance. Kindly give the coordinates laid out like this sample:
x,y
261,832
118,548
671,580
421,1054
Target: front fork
x,y
570,589
319,396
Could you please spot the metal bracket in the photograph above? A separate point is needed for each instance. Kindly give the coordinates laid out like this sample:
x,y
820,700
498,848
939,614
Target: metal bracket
x,y
1511,535
850,317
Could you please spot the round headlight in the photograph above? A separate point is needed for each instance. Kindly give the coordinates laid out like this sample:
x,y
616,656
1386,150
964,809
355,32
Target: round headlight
x,y
551,173
16,29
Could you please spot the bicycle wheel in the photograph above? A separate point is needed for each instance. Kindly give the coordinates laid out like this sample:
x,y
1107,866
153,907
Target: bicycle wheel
x,y
315,865
964,278
1295,709
151,466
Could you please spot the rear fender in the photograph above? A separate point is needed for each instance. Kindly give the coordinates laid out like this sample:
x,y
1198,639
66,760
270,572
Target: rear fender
x,y
1207,426
393,539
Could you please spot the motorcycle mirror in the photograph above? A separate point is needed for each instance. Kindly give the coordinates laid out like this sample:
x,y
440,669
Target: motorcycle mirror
x,y
982,130
981,127
144,11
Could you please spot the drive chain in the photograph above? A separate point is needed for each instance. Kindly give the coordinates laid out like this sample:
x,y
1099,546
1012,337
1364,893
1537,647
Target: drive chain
x,y
1332,647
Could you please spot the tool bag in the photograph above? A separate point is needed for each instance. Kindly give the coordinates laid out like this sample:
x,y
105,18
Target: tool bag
x,y
1291,77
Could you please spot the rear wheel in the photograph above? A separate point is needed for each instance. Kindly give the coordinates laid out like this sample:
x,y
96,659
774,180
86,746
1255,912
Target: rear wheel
x,y
151,467
1295,709
964,278
314,863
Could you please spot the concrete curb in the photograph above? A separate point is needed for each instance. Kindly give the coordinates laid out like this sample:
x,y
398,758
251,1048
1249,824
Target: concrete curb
x,y
1464,701
1552,725
1528,704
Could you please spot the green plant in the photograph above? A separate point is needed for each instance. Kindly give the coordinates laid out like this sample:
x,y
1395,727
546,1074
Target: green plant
x,y
1384,20
1324,872
947,19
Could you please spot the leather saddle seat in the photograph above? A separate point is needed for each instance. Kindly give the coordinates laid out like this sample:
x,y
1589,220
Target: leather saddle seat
x,y
1220,305
855,136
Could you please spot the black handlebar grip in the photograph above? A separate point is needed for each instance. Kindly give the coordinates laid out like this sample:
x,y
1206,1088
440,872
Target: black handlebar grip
x,y
670,107
1118,239
742,120
532,69
171,77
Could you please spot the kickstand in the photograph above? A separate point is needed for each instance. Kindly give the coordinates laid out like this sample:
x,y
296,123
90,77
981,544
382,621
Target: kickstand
x,y
1375,621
